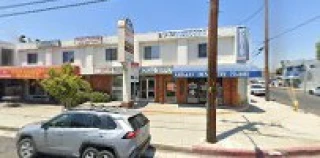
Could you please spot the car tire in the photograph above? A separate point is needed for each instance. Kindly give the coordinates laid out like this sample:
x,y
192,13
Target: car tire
x,y
90,152
105,154
29,150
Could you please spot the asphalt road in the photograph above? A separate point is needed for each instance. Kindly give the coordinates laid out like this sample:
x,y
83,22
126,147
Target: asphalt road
x,y
8,150
307,103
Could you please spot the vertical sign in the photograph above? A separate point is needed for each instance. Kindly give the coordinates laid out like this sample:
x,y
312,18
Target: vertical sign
x,y
126,55
242,45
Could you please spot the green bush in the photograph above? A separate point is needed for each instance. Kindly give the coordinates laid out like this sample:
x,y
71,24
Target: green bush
x,y
97,97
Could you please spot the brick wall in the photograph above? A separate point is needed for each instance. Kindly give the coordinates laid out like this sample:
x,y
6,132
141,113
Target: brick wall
x,y
230,91
102,83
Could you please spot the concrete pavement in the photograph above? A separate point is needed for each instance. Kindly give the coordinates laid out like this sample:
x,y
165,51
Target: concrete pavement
x,y
265,127
308,103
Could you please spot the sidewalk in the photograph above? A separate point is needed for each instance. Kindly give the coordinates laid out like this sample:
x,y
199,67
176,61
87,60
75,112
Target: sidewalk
x,y
264,128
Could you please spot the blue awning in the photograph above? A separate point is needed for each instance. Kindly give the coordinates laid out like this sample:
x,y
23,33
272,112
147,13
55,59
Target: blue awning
x,y
224,70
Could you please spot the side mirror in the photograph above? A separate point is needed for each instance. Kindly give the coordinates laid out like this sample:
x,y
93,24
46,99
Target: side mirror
x,y
45,126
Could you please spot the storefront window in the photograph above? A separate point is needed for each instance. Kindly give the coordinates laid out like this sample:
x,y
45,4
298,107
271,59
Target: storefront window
x,y
171,92
117,88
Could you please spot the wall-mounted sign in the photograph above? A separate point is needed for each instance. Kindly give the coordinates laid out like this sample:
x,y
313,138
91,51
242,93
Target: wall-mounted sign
x,y
48,44
156,70
243,44
88,40
184,33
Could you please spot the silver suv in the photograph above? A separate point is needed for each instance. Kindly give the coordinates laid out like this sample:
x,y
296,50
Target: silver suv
x,y
87,133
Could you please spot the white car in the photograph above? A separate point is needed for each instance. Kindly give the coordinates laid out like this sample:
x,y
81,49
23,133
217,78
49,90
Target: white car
x,y
315,91
257,89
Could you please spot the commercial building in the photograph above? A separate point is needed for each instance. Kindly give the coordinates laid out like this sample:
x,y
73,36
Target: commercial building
x,y
304,74
167,67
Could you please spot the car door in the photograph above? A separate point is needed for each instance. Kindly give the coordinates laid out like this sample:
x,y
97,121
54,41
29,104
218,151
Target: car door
x,y
53,134
81,130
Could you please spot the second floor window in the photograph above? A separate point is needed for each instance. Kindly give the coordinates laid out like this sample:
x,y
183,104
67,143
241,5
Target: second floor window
x,y
202,50
111,54
68,57
6,57
151,52
32,58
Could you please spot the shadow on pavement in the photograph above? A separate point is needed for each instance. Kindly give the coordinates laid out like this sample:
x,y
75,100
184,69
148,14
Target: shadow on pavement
x,y
150,153
254,109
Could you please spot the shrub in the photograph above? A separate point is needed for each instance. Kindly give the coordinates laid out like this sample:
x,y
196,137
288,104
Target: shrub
x,y
97,97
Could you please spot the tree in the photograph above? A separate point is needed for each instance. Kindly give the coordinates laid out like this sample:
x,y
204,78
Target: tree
x,y
65,85
318,51
279,71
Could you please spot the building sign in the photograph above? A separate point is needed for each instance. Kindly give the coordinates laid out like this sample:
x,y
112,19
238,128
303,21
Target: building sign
x,y
156,70
242,44
200,74
88,40
184,33
48,44
29,72
109,70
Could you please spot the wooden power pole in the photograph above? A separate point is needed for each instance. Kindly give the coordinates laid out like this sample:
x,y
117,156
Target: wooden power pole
x,y
266,49
212,70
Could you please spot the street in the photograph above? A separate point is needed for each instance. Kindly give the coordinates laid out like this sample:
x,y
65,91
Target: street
x,y
8,150
307,103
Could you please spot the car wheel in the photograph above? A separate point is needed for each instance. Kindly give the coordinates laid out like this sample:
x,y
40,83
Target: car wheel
x,y
90,152
105,154
26,148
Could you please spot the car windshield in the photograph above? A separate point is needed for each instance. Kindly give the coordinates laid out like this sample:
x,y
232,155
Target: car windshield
x,y
256,86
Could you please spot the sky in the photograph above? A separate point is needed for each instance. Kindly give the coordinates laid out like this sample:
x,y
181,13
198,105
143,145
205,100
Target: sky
x,y
159,15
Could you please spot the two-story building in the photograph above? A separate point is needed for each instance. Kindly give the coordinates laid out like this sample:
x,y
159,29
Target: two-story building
x,y
169,66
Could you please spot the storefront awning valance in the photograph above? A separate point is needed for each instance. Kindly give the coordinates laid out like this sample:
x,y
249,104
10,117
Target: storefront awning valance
x,y
224,71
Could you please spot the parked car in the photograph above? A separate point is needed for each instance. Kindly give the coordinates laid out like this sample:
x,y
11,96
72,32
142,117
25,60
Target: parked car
x,y
257,89
315,91
84,133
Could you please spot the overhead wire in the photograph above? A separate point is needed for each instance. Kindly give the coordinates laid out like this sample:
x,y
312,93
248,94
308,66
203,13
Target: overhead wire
x,y
51,8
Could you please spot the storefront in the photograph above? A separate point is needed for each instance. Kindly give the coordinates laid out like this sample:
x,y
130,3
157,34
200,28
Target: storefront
x,y
188,84
24,82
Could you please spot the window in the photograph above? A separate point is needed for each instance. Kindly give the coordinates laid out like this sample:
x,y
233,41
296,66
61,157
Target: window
x,y
82,121
60,121
111,54
6,57
151,52
202,50
107,123
32,58
138,121
68,57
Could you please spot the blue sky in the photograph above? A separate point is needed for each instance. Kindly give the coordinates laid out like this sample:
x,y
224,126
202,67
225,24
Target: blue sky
x,y
155,15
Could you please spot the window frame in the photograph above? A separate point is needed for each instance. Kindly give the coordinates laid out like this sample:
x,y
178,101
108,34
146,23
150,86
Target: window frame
x,y
151,56
29,55
114,54
200,51
68,55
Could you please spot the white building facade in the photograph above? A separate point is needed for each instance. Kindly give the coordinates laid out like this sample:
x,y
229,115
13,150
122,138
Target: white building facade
x,y
168,67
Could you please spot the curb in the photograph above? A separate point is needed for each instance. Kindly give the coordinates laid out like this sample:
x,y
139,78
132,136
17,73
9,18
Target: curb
x,y
7,128
229,152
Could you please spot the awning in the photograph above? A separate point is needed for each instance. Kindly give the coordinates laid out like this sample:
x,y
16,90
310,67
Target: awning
x,y
29,72
224,70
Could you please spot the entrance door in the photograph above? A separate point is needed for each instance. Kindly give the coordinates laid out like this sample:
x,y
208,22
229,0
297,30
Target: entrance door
x,y
148,88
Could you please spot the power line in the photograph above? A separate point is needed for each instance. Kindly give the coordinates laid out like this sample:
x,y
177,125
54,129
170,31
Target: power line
x,y
254,14
51,8
25,4
295,27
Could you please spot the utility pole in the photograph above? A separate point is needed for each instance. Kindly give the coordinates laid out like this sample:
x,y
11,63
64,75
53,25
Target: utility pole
x,y
212,70
266,49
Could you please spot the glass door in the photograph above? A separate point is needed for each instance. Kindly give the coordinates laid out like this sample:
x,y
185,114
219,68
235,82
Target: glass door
x,y
147,88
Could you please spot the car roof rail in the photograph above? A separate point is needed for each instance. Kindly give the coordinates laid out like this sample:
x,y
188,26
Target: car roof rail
x,y
100,108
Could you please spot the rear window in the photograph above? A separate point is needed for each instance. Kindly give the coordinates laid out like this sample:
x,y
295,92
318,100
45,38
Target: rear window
x,y
138,121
